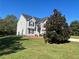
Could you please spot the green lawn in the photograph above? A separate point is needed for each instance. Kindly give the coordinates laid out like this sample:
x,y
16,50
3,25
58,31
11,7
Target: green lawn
x,y
37,49
75,37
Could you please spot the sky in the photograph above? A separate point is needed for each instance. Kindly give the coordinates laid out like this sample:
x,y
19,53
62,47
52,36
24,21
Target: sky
x,y
40,8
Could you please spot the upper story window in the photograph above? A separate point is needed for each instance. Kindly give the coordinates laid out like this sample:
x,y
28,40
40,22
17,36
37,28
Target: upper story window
x,y
44,25
31,23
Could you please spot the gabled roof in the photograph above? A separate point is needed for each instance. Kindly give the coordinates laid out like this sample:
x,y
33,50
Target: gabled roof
x,y
27,16
38,20
43,20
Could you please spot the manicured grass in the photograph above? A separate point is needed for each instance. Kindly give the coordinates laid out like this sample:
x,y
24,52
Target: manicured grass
x,y
75,37
37,49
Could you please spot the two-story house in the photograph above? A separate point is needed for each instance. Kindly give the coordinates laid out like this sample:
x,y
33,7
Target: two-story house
x,y
28,26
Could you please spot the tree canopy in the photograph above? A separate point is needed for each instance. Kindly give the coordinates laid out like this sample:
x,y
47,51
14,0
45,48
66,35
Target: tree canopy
x,y
8,25
75,28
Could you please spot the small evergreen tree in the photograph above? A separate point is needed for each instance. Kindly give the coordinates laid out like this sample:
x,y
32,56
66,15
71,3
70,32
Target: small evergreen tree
x,y
57,30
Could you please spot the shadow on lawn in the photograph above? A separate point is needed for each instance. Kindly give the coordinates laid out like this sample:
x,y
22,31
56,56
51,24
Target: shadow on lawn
x,y
10,44
58,42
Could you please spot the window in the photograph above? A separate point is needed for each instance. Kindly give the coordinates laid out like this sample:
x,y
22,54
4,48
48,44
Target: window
x,y
31,31
44,26
31,23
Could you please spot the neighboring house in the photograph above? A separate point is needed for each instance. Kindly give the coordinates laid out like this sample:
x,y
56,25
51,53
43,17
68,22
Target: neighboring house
x,y
28,26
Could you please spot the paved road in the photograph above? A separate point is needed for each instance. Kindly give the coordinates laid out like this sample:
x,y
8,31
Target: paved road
x,y
75,40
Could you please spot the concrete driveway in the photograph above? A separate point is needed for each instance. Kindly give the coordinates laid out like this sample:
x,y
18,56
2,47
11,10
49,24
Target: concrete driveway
x,y
75,40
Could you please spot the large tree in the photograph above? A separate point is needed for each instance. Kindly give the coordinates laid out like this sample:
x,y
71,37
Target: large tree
x,y
57,29
11,22
75,28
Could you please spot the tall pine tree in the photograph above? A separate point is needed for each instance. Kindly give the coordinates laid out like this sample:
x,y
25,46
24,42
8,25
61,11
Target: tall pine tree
x,y
57,30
